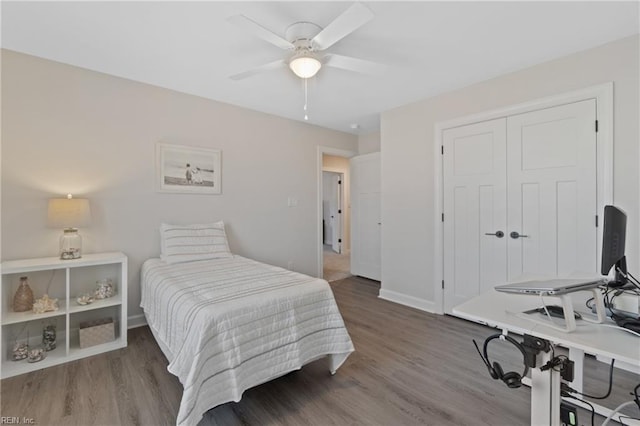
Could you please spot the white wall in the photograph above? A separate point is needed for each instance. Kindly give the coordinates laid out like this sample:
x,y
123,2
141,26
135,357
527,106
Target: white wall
x,y
407,146
332,163
67,129
369,143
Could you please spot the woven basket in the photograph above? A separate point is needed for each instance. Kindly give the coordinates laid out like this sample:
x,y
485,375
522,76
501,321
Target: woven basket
x,y
96,332
23,299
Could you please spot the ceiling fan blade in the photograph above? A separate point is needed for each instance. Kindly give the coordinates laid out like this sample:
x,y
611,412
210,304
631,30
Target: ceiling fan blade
x,y
257,70
349,21
260,31
355,64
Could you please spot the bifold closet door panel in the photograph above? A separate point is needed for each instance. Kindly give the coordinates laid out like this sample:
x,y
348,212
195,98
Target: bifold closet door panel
x,y
551,181
474,209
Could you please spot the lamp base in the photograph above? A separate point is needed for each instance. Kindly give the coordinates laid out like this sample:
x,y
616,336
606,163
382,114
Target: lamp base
x,y
70,244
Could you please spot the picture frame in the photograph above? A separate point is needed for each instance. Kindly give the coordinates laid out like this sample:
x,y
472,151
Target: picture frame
x,y
187,169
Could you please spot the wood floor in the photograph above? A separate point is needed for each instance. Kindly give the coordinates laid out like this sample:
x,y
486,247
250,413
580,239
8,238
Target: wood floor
x,y
335,266
409,368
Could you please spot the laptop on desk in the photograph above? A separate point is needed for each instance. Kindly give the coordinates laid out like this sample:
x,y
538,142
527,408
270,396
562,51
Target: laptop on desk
x,y
554,287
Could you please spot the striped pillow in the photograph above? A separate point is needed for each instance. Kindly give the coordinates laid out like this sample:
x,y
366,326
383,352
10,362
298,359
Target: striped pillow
x,y
184,243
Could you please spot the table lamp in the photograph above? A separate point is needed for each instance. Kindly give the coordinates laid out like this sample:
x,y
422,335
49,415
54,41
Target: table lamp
x,y
70,214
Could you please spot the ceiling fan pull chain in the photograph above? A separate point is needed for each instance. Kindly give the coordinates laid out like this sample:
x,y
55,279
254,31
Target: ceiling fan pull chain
x,y
306,117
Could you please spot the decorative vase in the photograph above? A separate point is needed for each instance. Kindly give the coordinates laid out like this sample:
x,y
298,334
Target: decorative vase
x,y
23,299
104,289
20,351
49,337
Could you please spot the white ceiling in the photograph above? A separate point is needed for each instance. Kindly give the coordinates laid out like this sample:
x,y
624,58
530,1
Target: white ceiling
x,y
431,47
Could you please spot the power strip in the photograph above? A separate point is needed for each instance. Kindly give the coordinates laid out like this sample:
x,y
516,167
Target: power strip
x,y
568,414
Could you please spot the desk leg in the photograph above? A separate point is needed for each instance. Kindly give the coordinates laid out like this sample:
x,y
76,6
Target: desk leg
x,y
545,394
577,356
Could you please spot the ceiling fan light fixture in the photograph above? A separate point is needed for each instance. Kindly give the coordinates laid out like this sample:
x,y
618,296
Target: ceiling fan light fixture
x,y
305,66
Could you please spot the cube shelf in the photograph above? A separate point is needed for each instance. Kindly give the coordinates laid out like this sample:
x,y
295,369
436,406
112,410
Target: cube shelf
x,y
63,280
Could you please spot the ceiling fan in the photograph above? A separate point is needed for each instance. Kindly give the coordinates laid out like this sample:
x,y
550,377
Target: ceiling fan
x,y
306,40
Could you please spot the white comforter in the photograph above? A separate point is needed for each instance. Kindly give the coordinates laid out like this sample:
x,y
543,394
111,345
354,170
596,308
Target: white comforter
x,y
229,324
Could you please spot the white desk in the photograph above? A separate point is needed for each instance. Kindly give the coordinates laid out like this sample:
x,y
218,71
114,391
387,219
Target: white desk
x,y
496,309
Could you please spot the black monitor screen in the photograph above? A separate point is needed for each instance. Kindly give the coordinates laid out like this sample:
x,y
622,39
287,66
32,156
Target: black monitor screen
x,y
613,237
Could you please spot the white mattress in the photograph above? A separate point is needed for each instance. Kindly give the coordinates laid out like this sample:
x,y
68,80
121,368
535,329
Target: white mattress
x,y
227,325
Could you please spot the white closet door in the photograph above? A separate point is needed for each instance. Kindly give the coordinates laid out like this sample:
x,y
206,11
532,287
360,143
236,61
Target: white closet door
x,y
474,206
551,168
366,249
532,175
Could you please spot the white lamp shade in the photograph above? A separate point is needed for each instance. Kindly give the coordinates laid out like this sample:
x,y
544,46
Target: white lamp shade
x,y
305,66
68,213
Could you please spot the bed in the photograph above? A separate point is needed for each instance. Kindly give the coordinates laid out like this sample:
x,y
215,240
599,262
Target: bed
x,y
229,323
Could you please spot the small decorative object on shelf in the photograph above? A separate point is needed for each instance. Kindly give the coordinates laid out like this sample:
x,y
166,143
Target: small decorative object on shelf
x,y
49,337
104,289
23,299
96,332
85,299
36,354
45,304
20,350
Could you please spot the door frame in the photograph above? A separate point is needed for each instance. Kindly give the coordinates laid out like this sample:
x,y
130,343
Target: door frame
x,y
602,93
319,242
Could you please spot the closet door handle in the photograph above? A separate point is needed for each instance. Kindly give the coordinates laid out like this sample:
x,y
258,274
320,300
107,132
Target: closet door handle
x,y
498,234
515,235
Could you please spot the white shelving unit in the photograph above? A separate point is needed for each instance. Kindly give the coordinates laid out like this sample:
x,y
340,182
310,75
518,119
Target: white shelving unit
x,y
63,280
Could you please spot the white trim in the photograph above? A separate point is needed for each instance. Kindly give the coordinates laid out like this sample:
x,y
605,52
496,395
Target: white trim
x,y
603,94
438,234
411,301
136,321
319,243
343,215
333,170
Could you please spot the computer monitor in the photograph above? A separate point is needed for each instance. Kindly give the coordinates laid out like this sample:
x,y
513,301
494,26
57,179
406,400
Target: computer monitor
x,y
613,239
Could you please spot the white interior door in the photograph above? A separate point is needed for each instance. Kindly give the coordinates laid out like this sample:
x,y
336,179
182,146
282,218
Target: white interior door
x,y
474,208
552,192
366,249
327,230
336,212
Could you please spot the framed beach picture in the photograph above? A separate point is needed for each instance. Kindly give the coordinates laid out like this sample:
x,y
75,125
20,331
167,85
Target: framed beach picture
x,y
188,169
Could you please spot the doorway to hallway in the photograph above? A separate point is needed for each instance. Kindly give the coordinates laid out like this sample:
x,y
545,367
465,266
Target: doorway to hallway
x,y
337,266
335,243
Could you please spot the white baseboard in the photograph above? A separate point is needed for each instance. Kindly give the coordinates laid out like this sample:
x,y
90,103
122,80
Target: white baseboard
x,y
411,301
136,321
